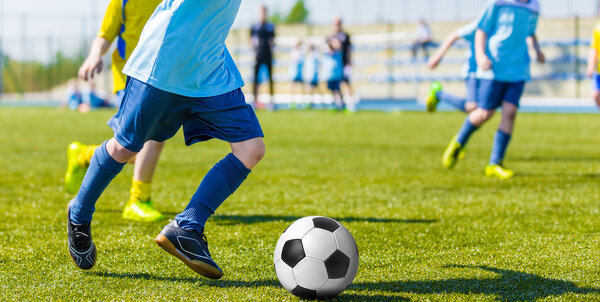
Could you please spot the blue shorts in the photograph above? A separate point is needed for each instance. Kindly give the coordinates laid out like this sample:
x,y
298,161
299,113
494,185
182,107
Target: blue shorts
x,y
148,113
333,85
472,86
492,93
120,94
596,82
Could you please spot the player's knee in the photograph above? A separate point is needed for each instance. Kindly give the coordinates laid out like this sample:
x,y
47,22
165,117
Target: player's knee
x,y
258,150
118,152
480,116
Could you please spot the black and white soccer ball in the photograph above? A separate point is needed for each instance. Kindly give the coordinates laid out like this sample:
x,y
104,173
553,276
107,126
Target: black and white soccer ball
x,y
316,257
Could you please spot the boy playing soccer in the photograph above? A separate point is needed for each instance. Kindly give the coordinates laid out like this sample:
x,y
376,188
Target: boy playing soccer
x,y
180,74
436,94
593,67
124,19
502,68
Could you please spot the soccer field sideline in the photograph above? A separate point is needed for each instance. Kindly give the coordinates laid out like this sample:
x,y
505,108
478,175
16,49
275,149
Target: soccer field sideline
x,y
285,101
423,233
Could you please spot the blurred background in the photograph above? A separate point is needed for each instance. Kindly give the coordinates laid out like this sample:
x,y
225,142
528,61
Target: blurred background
x,y
43,43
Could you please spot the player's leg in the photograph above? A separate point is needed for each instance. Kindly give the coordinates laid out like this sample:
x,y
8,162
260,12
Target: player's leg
x,y
504,133
472,87
271,84
256,83
236,123
107,162
490,97
142,105
139,206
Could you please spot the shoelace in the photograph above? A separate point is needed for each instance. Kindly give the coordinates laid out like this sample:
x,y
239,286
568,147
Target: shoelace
x,y
80,238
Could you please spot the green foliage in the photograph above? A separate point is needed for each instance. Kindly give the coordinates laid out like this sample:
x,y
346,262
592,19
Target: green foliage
x,y
32,76
298,14
424,233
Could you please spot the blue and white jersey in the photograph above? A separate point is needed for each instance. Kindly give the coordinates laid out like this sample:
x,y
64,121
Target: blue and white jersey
x,y
296,64
311,67
182,49
333,66
467,32
508,24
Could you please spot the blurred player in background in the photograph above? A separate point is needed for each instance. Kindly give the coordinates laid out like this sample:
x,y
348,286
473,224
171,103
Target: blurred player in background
x,y
333,71
503,61
297,58
180,75
423,39
436,94
124,21
94,98
262,37
346,48
312,64
593,67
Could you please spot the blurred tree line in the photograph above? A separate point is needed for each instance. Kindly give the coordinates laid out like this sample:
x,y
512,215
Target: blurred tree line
x,y
32,76
297,14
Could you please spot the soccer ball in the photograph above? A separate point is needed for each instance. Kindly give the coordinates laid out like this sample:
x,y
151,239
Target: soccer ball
x,y
316,257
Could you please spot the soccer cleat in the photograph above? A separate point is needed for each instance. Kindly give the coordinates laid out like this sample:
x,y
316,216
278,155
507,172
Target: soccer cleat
x,y
141,211
75,171
493,170
190,247
453,153
81,247
432,99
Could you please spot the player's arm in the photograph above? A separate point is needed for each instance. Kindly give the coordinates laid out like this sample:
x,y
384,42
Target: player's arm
x,y
437,57
533,41
483,61
111,26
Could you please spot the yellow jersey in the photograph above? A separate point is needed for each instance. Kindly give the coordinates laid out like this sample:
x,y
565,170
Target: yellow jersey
x,y
596,42
125,19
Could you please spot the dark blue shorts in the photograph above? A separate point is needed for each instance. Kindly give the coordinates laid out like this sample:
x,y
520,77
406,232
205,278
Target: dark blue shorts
x,y
492,93
472,86
148,113
333,85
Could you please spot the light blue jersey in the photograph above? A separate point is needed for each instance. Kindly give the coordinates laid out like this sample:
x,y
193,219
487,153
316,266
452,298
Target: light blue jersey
x,y
508,24
311,67
333,66
467,32
182,49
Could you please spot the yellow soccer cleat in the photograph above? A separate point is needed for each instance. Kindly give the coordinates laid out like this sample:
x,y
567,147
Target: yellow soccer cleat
x,y
141,211
498,171
453,153
75,170
432,99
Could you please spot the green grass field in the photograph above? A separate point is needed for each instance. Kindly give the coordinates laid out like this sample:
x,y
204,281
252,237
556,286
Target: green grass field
x,y
424,233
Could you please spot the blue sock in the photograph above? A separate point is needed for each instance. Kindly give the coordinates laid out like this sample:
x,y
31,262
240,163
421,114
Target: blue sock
x,y
451,99
103,168
465,132
501,141
218,184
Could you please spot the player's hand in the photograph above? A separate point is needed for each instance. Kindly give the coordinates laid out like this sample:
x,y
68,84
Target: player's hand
x,y
91,66
541,58
484,63
591,69
433,62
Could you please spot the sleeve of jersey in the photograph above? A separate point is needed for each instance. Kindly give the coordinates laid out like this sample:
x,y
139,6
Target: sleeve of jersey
x,y
595,38
113,19
488,18
533,24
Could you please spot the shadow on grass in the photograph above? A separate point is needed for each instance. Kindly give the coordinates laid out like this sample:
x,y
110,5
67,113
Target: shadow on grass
x,y
233,284
202,281
508,286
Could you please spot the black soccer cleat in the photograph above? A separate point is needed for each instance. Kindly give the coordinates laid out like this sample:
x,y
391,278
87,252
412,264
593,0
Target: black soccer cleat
x,y
81,247
190,247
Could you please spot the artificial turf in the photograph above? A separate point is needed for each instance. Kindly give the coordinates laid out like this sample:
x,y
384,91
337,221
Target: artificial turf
x,y
424,233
